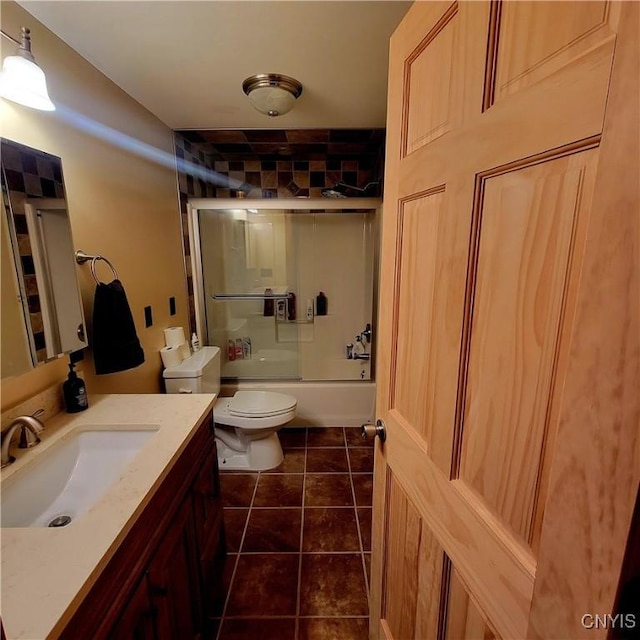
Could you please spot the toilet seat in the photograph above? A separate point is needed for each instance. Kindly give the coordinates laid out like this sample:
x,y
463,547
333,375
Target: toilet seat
x,y
260,404
276,411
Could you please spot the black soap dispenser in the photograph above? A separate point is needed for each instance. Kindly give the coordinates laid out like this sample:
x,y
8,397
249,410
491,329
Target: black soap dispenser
x,y
75,392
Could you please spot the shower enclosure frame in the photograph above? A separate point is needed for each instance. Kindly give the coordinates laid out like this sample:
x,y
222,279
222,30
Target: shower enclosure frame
x,y
310,205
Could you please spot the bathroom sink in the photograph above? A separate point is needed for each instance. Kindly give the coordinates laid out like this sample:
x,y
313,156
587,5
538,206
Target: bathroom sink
x,y
64,481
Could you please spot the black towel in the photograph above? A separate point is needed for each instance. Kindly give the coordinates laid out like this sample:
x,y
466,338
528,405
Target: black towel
x,y
115,343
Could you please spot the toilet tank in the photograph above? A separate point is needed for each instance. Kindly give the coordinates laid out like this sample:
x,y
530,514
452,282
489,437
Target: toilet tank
x,y
199,373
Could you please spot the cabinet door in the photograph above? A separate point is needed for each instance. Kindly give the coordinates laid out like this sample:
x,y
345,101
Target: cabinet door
x,y
138,619
174,583
207,511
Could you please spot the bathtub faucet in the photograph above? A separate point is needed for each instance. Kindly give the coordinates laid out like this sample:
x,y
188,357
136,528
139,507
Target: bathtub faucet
x,y
361,356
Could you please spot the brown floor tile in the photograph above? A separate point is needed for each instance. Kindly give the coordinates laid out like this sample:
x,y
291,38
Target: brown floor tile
x,y
364,516
273,530
325,437
293,462
234,521
264,585
332,585
327,461
354,438
237,489
279,491
361,460
323,490
363,488
327,529
333,629
262,628
292,438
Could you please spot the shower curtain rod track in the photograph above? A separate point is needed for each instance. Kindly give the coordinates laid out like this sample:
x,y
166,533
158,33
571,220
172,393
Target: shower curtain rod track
x,y
250,296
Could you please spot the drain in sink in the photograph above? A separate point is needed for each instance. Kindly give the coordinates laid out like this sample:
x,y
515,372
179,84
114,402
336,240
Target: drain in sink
x,y
60,521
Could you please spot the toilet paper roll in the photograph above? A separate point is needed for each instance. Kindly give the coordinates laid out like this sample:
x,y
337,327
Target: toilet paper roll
x,y
174,336
185,352
171,356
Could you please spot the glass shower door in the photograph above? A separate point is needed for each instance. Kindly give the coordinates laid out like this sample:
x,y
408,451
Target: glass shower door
x,y
248,274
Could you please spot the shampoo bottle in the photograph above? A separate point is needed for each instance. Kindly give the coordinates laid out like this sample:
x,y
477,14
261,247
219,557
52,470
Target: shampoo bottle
x,y
321,304
291,306
195,342
268,302
75,392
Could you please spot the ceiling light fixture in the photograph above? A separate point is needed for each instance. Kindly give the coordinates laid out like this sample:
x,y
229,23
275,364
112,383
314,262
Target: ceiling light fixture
x,y
271,93
22,80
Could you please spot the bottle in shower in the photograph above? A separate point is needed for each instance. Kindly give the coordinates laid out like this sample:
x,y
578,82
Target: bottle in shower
x,y
291,306
268,302
231,350
321,304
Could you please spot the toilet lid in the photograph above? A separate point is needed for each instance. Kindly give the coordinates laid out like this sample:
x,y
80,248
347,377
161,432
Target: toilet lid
x,y
253,404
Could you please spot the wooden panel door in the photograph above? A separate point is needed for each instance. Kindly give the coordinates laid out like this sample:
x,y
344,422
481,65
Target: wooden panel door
x,y
174,582
508,330
138,619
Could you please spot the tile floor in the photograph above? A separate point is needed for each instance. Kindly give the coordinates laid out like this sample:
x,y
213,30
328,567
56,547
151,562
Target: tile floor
x,y
299,542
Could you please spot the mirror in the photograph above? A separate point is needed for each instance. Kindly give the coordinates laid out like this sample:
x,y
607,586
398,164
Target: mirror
x,y
42,316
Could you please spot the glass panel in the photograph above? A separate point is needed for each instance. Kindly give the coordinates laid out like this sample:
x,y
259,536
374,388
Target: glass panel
x,y
263,271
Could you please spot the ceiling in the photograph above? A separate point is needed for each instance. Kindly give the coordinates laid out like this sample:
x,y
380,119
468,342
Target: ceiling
x,y
185,60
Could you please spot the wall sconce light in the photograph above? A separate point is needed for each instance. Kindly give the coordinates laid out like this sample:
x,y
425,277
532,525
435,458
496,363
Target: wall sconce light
x,y
22,80
271,93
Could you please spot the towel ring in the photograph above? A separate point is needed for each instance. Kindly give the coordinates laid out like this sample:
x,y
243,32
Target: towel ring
x,y
82,257
93,269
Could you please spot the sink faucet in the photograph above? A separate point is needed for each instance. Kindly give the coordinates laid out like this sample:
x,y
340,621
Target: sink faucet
x,y
30,428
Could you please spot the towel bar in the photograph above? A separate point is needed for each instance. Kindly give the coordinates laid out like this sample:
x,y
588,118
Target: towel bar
x,y
82,257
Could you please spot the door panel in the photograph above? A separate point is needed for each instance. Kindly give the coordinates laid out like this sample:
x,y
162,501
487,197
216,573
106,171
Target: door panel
x,y
564,34
494,135
464,620
413,570
527,220
422,332
431,73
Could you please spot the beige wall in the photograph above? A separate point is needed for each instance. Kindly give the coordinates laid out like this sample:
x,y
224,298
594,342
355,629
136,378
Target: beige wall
x,y
121,204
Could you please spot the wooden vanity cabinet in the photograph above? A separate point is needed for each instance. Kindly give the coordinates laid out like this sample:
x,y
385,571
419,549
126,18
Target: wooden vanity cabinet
x,y
169,564
138,620
209,531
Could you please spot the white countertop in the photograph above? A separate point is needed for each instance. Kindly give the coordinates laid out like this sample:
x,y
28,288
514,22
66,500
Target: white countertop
x,y
47,572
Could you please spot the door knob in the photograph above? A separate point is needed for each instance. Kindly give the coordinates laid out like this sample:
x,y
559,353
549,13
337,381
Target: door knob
x,y
370,431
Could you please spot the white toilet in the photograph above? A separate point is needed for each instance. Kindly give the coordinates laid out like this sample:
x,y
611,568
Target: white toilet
x,y
246,425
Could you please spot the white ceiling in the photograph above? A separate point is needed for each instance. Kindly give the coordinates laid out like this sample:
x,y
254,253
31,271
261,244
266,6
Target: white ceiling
x,y
185,60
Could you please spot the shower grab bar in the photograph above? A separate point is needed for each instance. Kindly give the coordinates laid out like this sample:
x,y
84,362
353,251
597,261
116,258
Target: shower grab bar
x,y
250,296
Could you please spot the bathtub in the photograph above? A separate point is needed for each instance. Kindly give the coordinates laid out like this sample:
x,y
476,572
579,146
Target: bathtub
x,y
321,404
284,363
266,363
